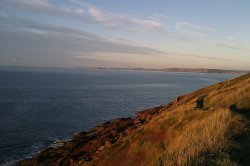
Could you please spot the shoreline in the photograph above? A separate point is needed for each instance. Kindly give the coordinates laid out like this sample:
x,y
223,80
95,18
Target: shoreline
x,y
111,136
44,143
87,145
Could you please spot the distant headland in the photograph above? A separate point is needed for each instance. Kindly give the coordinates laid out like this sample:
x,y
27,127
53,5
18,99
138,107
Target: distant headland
x,y
191,70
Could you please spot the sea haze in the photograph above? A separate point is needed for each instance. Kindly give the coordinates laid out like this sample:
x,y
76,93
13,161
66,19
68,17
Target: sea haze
x,y
39,107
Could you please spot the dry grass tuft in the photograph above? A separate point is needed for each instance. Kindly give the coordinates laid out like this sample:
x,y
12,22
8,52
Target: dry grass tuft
x,y
205,141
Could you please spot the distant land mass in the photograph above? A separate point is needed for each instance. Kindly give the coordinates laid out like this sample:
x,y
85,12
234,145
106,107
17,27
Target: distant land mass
x,y
210,126
193,70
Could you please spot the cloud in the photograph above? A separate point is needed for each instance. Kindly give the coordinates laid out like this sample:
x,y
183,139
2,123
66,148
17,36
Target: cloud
x,y
87,13
38,6
31,42
91,14
27,39
233,43
198,56
230,38
187,31
117,21
233,46
159,16
193,27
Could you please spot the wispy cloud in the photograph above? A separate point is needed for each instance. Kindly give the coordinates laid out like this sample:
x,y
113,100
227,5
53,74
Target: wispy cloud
x,y
26,39
189,31
118,21
39,6
159,15
193,27
64,40
198,56
233,46
230,38
232,42
92,14
87,13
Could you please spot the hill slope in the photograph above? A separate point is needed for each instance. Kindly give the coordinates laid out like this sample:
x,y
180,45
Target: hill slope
x,y
206,127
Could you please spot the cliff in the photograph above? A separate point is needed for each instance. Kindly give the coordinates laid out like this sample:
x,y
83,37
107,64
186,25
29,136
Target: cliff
x,y
209,126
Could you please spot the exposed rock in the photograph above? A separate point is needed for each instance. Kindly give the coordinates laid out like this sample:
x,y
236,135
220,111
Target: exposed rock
x,y
101,148
84,146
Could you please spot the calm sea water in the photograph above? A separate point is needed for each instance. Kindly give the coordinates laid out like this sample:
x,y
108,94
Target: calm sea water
x,y
38,108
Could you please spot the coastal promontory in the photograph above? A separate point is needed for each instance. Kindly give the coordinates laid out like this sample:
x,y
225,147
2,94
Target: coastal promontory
x,y
207,127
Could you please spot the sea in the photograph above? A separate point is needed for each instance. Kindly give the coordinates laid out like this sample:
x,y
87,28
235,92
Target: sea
x,y
39,106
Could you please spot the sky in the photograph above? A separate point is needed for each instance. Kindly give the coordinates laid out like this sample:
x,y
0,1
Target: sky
x,y
131,33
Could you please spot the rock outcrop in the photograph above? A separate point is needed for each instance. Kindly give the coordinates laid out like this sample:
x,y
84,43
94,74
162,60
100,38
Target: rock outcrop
x,y
84,146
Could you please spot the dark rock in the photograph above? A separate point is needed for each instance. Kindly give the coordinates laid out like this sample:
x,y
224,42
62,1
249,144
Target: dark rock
x,y
84,146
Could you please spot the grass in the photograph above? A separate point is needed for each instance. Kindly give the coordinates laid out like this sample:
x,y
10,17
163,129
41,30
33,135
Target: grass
x,y
193,137
206,141
210,127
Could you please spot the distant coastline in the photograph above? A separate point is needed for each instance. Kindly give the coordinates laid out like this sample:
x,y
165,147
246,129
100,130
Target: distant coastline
x,y
188,70
182,70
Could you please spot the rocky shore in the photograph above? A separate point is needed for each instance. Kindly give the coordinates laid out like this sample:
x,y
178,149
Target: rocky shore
x,y
85,146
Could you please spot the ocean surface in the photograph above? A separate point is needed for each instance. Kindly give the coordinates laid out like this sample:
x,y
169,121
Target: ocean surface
x,y
41,106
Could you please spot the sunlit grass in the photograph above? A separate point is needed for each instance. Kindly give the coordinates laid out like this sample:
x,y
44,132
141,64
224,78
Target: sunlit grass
x,y
188,134
204,141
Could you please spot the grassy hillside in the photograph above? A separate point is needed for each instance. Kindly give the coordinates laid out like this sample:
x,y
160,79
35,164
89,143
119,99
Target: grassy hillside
x,y
206,127
209,127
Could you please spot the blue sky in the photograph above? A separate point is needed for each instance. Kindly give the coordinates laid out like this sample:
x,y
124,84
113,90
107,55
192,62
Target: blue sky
x,y
111,33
